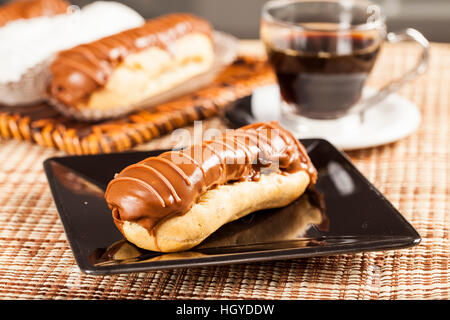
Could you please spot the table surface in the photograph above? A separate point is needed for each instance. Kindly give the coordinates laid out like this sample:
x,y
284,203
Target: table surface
x,y
414,174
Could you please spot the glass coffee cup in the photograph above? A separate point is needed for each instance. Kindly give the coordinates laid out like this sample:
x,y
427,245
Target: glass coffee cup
x,y
322,53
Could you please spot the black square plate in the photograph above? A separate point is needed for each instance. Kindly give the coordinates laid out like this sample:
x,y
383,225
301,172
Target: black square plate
x,y
343,214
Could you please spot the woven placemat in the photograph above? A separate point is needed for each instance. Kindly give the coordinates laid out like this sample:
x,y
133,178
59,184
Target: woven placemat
x,y
414,174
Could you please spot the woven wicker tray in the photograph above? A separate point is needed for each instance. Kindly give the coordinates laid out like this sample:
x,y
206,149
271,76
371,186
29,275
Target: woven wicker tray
x,y
41,124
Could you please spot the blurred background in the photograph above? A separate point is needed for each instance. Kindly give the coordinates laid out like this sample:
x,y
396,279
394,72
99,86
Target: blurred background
x,y
241,17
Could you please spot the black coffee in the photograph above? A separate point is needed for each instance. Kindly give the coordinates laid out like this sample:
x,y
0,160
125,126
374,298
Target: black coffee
x,y
318,82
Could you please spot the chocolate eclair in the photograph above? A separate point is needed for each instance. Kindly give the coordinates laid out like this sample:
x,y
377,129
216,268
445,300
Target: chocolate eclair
x,y
172,202
110,76
27,9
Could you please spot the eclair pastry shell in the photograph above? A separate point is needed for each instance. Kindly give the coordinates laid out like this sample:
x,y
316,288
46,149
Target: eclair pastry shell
x,y
215,208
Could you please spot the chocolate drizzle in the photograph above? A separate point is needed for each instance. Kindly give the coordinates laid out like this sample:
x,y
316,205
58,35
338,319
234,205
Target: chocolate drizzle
x,y
171,183
26,9
80,71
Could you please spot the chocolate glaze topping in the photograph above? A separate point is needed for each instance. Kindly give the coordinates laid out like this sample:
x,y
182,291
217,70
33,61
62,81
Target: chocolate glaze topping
x,y
171,183
81,70
26,9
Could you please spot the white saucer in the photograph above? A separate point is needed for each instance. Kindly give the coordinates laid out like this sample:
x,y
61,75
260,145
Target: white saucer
x,y
392,119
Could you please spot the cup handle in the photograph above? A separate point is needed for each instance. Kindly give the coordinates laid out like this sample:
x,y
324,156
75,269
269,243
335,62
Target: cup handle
x,y
409,34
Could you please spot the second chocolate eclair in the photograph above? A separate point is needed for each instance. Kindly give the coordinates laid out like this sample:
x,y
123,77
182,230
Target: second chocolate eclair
x,y
101,79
